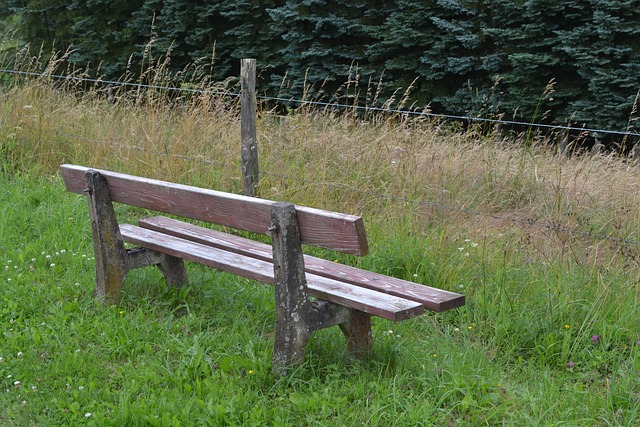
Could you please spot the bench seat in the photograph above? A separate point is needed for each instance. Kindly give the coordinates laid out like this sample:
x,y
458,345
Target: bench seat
x,y
430,298
339,292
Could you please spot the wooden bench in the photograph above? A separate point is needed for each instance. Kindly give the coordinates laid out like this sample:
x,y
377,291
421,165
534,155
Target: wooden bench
x,y
342,295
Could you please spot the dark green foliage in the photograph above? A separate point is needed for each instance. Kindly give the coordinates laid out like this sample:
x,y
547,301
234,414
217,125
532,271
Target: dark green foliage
x,y
574,62
606,51
324,42
101,34
43,21
535,72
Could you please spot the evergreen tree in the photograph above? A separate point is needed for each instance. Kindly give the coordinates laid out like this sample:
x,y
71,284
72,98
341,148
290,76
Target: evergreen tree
x,y
400,42
459,61
323,42
606,51
45,24
536,77
101,36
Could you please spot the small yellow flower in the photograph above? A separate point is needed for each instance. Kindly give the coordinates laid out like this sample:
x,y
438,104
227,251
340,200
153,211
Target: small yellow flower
x,y
567,326
470,327
435,355
251,372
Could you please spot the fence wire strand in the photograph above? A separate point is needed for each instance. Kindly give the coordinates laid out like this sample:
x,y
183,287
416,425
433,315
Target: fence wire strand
x,y
416,113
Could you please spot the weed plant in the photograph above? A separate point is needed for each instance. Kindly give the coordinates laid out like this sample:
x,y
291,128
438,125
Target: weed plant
x,y
544,247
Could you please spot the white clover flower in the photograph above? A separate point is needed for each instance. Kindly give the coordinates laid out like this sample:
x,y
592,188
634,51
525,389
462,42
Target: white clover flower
x,y
80,388
20,354
52,265
17,384
87,415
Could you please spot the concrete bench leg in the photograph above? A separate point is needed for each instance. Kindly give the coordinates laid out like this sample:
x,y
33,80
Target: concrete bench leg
x,y
108,247
292,301
357,332
296,316
173,270
113,261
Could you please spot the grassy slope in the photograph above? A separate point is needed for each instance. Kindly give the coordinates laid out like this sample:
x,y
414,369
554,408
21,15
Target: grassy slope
x,y
522,352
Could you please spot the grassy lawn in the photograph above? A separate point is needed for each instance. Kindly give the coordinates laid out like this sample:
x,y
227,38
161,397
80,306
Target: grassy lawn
x,y
549,335
201,355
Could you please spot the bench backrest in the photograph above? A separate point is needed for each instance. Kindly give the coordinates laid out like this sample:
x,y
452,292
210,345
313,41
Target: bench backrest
x,y
331,230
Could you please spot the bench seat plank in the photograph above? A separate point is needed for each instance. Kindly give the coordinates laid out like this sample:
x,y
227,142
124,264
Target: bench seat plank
x,y
365,300
431,298
331,230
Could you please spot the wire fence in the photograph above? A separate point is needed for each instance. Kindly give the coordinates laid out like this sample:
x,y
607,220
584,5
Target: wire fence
x,y
546,226
334,105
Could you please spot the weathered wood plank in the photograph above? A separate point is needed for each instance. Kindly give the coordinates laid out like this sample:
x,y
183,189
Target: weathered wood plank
x,y
431,298
365,300
332,230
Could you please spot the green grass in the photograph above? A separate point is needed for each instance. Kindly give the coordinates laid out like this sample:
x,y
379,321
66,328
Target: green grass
x,y
549,334
202,355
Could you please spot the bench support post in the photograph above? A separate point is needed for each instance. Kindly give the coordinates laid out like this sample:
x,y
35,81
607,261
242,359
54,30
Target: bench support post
x,y
108,247
292,301
113,261
357,332
296,316
173,270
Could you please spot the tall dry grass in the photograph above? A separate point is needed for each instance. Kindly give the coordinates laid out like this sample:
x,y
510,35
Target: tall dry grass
x,y
415,172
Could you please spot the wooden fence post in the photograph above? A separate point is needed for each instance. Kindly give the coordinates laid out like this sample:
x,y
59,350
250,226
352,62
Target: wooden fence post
x,y
248,106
